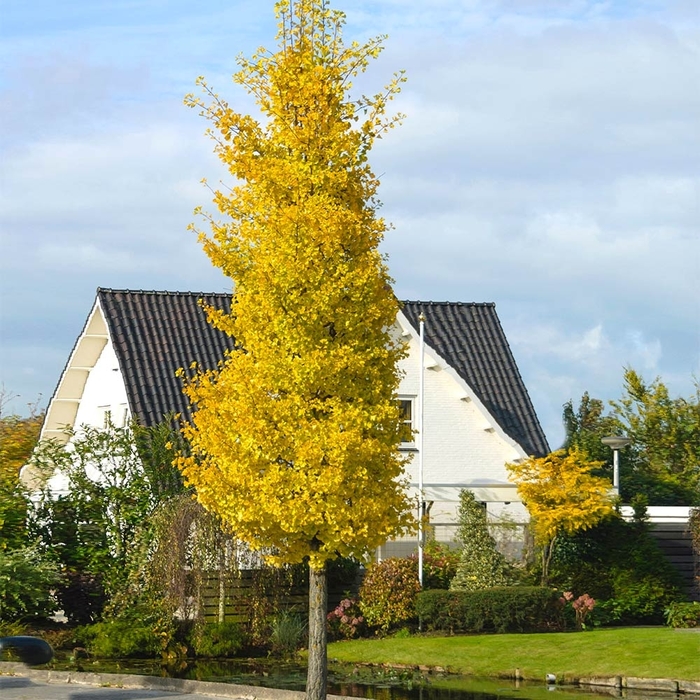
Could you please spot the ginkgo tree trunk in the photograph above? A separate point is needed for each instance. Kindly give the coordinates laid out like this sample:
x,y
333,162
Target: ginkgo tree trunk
x,y
295,435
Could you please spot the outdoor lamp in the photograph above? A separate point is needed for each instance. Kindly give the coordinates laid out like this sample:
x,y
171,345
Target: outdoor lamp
x,y
616,443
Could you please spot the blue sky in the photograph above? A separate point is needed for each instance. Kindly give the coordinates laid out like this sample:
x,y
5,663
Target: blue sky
x,y
549,162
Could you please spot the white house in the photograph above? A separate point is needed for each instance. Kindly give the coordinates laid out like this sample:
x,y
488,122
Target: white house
x,y
477,414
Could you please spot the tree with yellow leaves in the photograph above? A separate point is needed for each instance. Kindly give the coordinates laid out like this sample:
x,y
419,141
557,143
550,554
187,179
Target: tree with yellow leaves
x,y
18,437
295,436
561,495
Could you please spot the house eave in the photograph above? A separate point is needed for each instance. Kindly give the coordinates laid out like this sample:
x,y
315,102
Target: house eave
x,y
64,404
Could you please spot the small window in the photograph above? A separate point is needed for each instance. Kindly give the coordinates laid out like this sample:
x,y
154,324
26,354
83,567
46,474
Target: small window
x,y
106,417
407,416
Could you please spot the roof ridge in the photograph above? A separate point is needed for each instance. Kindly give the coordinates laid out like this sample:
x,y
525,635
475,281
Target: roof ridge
x,y
164,292
449,303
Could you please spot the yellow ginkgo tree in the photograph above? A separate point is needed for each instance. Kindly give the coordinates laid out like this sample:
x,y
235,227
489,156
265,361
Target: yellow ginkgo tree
x,y
295,435
561,495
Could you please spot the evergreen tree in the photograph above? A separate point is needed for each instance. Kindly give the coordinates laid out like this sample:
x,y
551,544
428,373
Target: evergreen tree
x,y
481,565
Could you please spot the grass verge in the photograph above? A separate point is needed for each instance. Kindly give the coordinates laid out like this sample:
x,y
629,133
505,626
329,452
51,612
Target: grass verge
x,y
645,652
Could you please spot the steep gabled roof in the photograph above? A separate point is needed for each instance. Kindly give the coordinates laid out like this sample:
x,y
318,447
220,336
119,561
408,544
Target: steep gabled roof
x,y
470,338
156,333
153,335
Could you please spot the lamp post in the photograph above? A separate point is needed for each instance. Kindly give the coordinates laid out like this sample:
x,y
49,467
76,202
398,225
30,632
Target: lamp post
x,y
421,495
616,443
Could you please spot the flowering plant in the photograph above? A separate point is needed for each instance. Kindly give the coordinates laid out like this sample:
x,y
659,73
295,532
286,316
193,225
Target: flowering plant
x,y
346,621
582,606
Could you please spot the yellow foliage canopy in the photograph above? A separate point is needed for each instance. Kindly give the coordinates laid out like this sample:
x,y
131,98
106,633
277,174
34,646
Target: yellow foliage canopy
x,y
561,494
18,437
295,435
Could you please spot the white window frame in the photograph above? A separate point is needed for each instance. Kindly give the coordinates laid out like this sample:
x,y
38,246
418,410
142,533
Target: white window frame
x,y
105,413
410,421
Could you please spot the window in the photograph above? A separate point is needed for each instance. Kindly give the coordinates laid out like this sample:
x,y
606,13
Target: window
x,y
106,414
407,426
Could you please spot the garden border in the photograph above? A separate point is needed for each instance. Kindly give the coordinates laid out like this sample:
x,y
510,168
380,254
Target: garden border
x,y
249,692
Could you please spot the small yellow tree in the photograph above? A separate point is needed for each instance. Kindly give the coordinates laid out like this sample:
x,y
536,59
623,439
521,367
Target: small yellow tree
x,y
18,437
295,436
561,495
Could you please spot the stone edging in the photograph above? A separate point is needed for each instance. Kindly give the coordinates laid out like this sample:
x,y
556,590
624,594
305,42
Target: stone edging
x,y
632,683
180,685
618,682
249,692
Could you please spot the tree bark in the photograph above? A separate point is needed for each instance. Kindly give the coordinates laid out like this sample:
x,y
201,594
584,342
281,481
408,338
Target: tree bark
x,y
222,583
318,658
547,552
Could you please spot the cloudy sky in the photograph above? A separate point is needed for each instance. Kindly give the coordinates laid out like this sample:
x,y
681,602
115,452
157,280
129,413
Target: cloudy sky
x,y
549,162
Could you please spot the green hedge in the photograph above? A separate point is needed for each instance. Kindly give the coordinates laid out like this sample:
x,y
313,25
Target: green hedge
x,y
512,609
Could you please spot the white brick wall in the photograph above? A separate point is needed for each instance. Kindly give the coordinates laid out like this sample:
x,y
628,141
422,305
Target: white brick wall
x,y
104,390
462,444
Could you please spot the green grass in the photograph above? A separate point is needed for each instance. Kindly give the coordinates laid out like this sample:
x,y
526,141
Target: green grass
x,y
646,652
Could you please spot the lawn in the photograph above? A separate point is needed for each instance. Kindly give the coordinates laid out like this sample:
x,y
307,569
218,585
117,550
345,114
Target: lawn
x,y
647,652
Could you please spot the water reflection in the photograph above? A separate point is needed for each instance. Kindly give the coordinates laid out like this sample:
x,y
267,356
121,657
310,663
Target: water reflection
x,y
350,680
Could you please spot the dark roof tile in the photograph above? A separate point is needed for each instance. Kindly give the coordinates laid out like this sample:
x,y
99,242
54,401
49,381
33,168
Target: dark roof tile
x,y
470,338
156,333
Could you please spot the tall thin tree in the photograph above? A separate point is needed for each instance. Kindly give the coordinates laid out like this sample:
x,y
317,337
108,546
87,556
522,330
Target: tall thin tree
x,y
295,436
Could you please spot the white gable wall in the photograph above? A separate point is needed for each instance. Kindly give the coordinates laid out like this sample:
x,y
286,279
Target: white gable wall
x,y
103,397
463,446
91,383
104,391
90,390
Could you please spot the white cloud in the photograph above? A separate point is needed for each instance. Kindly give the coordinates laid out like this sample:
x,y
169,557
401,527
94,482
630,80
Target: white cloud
x,y
646,353
589,346
76,257
548,163
560,362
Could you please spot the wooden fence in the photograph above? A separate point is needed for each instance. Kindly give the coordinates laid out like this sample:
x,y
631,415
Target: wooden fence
x,y
250,593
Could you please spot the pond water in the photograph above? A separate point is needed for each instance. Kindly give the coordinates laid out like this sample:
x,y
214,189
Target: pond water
x,y
378,683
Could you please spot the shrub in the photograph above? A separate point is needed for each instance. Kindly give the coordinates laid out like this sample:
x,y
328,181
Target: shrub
x,y
342,573
621,566
694,529
580,609
82,597
12,629
683,615
635,599
515,609
439,565
269,586
26,582
346,621
481,565
116,639
388,593
218,639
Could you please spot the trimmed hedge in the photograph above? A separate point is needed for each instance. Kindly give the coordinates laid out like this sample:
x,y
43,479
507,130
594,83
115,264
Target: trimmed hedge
x,y
503,609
